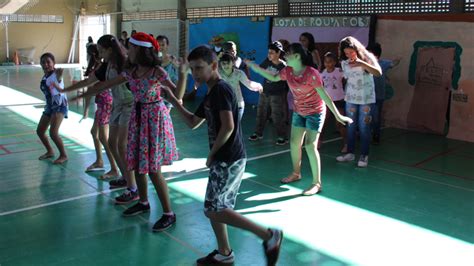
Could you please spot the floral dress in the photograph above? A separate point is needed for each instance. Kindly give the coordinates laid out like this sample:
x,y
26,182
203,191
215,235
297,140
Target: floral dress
x,y
151,141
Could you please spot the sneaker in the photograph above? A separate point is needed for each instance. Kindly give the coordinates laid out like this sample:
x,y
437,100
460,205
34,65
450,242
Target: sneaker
x,y
346,157
127,197
165,222
281,142
216,258
363,161
136,209
119,182
255,137
272,246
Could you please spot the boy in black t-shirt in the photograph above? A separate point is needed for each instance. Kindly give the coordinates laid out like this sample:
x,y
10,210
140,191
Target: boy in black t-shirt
x,y
226,159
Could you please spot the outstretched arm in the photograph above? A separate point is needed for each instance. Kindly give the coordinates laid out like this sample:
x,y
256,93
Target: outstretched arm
x,y
262,72
190,119
82,84
252,85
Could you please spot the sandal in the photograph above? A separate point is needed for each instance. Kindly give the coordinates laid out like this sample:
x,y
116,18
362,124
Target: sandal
x,y
108,175
291,178
46,156
95,167
313,189
60,160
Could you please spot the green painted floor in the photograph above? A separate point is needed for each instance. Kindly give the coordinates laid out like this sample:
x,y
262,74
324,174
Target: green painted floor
x,y
411,206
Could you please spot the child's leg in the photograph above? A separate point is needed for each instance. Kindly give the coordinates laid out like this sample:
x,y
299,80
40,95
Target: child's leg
x,y
41,132
56,120
104,139
313,155
99,163
296,141
118,145
142,186
342,130
278,105
261,114
161,188
352,111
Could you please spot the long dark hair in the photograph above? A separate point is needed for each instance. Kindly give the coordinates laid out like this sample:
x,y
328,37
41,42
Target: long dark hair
x,y
119,53
297,48
94,59
353,43
311,41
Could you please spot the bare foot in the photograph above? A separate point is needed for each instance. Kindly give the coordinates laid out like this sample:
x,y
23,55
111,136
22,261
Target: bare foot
x,y
291,178
60,160
45,156
96,166
110,174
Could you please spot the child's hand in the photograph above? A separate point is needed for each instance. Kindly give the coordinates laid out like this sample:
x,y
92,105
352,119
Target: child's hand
x,y
344,119
169,95
183,65
249,63
210,159
355,62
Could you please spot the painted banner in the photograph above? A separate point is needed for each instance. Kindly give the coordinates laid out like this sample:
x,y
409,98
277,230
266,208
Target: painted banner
x,y
250,34
324,29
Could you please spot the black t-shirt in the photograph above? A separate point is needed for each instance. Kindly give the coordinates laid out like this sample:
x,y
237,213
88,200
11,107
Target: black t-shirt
x,y
222,98
274,88
101,72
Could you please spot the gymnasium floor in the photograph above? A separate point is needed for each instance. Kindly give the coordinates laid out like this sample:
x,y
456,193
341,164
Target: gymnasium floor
x,y
413,205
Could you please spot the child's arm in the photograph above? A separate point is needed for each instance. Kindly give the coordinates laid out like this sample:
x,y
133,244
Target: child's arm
x,y
317,59
225,131
183,71
372,66
190,119
82,84
252,85
86,108
328,101
263,72
102,86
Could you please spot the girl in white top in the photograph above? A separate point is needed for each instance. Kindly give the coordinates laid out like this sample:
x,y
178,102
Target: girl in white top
x,y
333,81
234,77
359,67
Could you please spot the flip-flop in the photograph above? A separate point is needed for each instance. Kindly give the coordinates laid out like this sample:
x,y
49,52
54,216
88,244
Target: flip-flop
x,y
46,156
94,168
291,178
107,176
60,162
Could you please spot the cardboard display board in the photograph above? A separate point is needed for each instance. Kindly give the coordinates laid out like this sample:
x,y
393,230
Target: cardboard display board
x,y
250,34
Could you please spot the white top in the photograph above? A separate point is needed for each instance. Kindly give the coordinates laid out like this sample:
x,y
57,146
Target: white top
x,y
333,83
360,88
57,97
234,80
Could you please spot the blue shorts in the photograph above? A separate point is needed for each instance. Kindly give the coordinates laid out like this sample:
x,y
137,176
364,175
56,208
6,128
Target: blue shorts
x,y
313,122
49,109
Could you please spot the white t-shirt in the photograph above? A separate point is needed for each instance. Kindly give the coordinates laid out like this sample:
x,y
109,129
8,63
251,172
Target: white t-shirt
x,y
234,79
333,83
360,88
57,97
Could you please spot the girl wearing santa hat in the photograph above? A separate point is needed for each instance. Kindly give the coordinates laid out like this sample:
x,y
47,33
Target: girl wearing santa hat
x,y
151,141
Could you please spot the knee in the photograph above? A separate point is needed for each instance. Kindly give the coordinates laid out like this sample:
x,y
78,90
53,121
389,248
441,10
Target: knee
x,y
310,145
53,134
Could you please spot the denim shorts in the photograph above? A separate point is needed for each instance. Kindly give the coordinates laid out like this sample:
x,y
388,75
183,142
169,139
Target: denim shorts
x,y
49,109
313,122
223,185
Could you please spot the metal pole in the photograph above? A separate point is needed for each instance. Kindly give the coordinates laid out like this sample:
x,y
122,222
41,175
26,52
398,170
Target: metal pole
x,y
6,38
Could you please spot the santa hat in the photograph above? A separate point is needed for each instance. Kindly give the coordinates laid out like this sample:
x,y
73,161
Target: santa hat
x,y
144,40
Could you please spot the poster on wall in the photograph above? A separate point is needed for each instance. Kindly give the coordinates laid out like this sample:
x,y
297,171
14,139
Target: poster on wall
x,y
251,35
327,31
